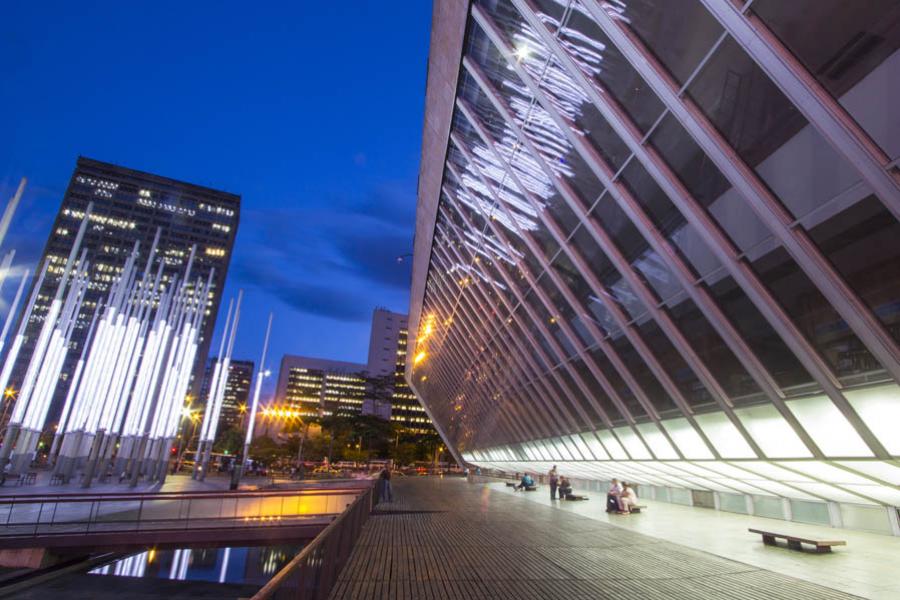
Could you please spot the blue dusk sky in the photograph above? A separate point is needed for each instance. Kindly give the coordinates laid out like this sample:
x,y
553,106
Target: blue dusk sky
x,y
311,111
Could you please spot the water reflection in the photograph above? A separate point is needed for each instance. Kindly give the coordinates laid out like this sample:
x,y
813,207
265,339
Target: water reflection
x,y
247,565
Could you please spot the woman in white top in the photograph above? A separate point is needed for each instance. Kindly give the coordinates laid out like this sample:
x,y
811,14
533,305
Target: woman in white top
x,y
627,499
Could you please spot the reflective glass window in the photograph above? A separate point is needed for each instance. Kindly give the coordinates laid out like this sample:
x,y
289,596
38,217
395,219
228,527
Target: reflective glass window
x,y
813,315
632,405
674,365
851,49
678,32
598,394
768,346
645,378
715,354
863,243
652,199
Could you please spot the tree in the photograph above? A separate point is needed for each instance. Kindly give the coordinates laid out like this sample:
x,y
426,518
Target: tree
x,y
230,441
265,450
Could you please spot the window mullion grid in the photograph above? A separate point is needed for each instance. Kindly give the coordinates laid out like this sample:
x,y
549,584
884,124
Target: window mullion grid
x,y
548,336
624,269
628,133
551,340
527,356
739,269
491,328
638,343
507,374
572,423
818,106
484,394
771,212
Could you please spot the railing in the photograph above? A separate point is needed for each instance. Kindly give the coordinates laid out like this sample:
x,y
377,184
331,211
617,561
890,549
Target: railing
x,y
313,572
67,514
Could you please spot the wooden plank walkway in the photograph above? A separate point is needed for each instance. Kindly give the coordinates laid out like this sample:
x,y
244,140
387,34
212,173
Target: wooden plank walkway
x,y
445,538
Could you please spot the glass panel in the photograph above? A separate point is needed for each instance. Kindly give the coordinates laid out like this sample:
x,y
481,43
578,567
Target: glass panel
x,y
879,408
687,439
627,396
675,366
598,395
813,315
771,432
715,354
726,438
850,48
595,446
768,346
678,32
652,199
744,105
655,272
658,443
657,395
600,60
612,445
863,243
828,428
632,443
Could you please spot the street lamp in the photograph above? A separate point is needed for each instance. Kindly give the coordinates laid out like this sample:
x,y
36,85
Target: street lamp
x,y
263,373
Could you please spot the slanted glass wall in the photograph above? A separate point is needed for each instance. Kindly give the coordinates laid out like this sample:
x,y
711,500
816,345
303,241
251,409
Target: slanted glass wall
x,y
646,251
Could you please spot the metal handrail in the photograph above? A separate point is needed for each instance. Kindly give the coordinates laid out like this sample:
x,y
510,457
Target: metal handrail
x,y
88,497
110,513
312,573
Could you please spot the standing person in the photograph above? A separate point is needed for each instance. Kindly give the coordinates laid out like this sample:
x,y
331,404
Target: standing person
x,y
553,481
387,494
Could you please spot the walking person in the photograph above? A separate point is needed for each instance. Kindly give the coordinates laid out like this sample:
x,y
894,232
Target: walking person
x,y
554,480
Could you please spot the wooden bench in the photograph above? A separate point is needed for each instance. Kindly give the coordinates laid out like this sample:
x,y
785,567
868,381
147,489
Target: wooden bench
x,y
59,479
795,543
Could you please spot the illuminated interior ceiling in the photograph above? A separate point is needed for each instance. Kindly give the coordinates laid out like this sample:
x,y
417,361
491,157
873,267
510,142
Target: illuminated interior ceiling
x,y
659,252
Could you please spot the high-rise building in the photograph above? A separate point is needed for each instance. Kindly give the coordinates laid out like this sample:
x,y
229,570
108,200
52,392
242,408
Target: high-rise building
x,y
659,241
390,396
318,387
130,206
237,391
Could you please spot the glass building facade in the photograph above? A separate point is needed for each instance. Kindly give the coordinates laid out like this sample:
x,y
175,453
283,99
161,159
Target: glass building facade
x,y
658,240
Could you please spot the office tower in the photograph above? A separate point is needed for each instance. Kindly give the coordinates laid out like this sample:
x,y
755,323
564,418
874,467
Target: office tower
x,y
390,396
130,206
318,387
236,401
659,241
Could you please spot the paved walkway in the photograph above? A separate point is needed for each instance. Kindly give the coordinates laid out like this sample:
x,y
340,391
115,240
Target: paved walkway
x,y
864,567
445,538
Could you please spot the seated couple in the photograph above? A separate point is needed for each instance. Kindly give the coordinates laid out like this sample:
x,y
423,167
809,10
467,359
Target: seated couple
x,y
621,498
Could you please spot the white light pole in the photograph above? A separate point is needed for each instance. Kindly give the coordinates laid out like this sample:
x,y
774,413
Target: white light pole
x,y
261,373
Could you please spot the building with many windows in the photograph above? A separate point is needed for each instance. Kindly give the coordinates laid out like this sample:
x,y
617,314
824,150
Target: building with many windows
x,y
658,240
318,387
130,206
390,396
237,391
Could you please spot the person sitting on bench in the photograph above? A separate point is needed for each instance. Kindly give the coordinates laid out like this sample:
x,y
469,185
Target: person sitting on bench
x,y
627,499
527,482
612,496
565,488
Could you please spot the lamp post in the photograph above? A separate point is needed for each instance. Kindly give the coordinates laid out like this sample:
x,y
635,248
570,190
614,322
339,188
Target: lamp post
x,y
263,373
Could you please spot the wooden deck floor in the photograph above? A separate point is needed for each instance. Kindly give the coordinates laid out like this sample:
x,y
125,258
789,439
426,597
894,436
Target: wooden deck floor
x,y
445,538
